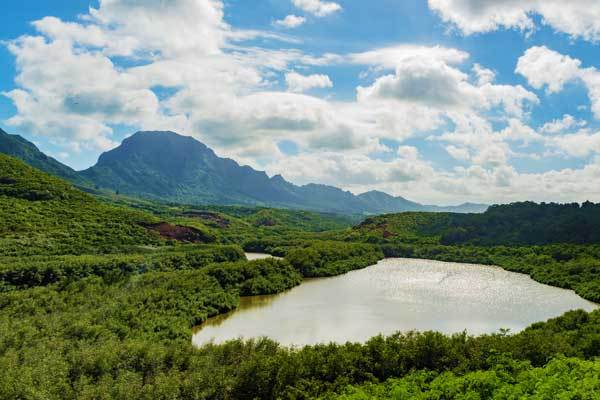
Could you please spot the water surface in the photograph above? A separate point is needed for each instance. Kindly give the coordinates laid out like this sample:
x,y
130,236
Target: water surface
x,y
258,256
394,295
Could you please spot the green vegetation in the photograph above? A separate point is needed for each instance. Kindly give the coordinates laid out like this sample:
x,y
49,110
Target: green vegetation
x,y
99,296
558,261
319,259
562,378
16,146
517,224
20,273
42,215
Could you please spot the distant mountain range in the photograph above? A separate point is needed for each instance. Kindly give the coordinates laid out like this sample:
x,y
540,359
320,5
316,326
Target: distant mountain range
x,y
170,167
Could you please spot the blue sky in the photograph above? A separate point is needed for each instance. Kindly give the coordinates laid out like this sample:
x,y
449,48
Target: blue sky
x,y
440,101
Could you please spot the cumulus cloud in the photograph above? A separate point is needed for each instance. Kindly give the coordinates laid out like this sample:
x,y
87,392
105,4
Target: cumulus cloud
x,y
483,75
318,8
579,144
226,93
577,18
291,21
391,57
437,84
567,122
458,153
543,67
301,83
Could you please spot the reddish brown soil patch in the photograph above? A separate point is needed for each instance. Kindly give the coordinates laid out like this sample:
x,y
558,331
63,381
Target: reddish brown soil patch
x,y
209,218
178,232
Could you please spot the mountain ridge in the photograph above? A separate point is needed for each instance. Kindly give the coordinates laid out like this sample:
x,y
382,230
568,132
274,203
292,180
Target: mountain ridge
x,y
19,147
166,166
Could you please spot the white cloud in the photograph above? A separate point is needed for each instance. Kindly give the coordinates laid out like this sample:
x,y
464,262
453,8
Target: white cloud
x,y
436,84
518,131
224,91
577,18
171,28
318,8
391,57
409,153
544,67
491,156
560,125
301,83
483,75
458,153
580,144
291,21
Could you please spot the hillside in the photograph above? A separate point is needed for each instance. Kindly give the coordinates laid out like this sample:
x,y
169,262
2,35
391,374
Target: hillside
x,y
516,224
16,146
42,214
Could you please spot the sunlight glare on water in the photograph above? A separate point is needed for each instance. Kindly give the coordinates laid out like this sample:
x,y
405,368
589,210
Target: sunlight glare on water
x,y
394,295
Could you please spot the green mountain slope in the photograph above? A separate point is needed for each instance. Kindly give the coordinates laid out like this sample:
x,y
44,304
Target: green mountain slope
x,y
171,167
516,224
16,146
42,214
167,166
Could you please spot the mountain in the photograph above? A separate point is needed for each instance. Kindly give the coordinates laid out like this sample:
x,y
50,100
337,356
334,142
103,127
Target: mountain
x,y
383,203
18,147
515,224
167,166
470,208
170,167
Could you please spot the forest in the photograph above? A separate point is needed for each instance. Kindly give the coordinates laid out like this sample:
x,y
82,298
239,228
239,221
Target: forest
x,y
99,295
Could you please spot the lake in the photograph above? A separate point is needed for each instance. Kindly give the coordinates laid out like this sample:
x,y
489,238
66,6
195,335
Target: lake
x,y
394,295
258,256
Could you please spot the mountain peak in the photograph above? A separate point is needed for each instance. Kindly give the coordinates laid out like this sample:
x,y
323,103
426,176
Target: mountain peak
x,y
168,166
164,147
167,137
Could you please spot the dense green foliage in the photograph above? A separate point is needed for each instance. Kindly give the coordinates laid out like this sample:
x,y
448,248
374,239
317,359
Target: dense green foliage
x,y
517,224
131,341
95,305
42,215
235,221
20,273
320,259
563,378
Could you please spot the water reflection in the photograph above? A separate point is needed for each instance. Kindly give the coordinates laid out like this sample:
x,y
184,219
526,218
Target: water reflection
x,y
395,295
258,256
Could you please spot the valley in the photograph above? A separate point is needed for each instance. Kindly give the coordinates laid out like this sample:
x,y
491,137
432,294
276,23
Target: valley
x,y
99,300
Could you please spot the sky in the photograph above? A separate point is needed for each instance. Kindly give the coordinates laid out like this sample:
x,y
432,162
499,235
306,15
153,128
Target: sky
x,y
438,101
